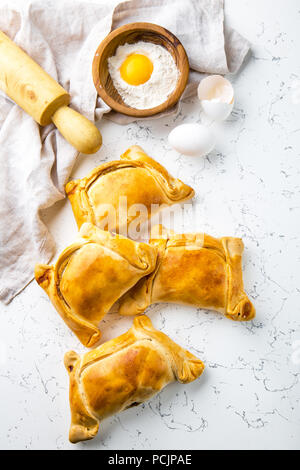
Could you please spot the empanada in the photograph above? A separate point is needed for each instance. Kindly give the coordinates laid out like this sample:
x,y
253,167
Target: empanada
x,y
91,275
117,193
193,269
122,373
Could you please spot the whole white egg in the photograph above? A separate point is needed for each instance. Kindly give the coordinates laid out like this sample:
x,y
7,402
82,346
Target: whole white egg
x,y
194,140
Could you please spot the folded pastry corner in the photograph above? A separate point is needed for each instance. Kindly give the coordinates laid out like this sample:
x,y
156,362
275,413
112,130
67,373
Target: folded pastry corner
x,y
193,269
122,373
136,178
91,275
83,426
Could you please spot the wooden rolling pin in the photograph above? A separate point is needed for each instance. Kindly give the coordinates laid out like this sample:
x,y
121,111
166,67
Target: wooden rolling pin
x,y
26,83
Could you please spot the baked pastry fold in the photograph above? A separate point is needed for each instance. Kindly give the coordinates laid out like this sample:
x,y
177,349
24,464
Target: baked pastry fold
x,y
193,269
117,193
122,373
91,275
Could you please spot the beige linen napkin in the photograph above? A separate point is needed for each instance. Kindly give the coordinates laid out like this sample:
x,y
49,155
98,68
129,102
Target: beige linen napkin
x,y
62,37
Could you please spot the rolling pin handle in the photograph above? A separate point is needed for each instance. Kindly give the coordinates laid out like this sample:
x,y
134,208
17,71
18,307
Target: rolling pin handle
x,y
77,130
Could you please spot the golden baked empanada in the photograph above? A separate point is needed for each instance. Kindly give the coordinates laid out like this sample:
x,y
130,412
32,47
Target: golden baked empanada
x,y
122,373
112,195
194,269
90,275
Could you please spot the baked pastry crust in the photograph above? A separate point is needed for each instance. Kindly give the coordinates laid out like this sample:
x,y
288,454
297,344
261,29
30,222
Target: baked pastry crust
x,y
91,275
193,269
136,177
122,373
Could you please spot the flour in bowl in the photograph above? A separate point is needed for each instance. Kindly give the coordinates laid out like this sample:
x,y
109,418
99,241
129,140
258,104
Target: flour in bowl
x,y
144,74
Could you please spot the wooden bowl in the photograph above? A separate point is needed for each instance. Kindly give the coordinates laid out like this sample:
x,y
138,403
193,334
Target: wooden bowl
x,y
131,33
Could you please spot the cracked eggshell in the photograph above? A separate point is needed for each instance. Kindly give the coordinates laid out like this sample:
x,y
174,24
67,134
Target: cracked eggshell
x,y
216,96
194,140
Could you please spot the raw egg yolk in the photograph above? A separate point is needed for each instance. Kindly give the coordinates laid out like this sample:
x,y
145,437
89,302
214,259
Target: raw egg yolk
x,y
136,69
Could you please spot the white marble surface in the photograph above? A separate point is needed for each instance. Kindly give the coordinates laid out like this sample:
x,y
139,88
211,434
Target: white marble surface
x,y
249,395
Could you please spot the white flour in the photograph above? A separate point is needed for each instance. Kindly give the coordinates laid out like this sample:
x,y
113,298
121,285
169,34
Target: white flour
x,y
159,86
